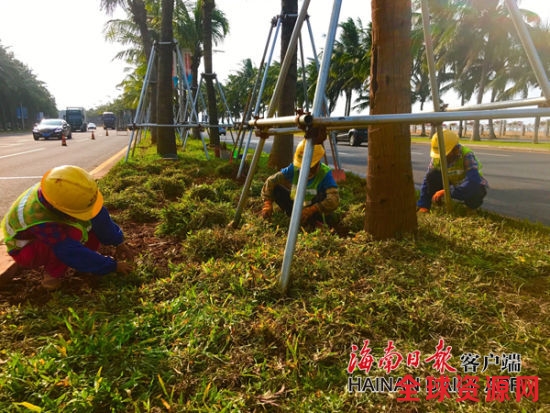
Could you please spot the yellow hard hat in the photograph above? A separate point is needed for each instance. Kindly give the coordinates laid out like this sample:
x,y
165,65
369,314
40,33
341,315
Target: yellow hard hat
x,y
451,140
318,153
73,191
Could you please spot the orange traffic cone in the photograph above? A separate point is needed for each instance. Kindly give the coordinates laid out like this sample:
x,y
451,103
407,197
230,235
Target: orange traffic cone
x,y
63,140
93,136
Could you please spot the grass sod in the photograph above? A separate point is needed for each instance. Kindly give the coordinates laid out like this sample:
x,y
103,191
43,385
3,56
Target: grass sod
x,y
200,325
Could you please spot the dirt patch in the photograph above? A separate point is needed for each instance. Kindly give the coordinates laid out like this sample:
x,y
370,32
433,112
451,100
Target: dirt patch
x,y
25,285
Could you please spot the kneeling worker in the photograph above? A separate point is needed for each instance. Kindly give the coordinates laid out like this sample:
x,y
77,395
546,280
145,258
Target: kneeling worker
x,y
60,222
466,181
321,197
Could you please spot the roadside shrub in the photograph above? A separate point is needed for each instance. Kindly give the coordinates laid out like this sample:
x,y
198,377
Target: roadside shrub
x,y
228,170
228,190
171,187
121,183
213,243
203,192
137,204
178,219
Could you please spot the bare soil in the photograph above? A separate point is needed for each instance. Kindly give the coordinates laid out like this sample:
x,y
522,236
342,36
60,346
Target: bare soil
x,y
25,286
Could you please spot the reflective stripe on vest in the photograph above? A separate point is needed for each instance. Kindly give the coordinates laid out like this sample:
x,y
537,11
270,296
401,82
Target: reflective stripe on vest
x,y
28,211
311,189
456,172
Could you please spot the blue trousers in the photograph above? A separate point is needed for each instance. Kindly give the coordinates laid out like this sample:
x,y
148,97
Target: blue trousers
x,y
433,182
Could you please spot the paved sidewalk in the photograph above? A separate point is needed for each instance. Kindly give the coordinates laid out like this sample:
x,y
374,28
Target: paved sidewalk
x,y
8,268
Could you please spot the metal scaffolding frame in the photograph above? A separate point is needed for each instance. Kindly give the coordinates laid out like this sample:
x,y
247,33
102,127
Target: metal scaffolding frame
x,y
306,121
199,94
263,72
185,115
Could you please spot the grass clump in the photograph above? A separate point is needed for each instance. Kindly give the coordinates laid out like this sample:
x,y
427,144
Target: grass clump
x,y
201,326
179,219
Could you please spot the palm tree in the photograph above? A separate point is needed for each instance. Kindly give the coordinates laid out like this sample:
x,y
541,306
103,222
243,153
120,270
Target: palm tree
x,y
124,32
137,11
238,88
482,47
166,146
390,208
138,14
207,8
189,35
350,62
420,80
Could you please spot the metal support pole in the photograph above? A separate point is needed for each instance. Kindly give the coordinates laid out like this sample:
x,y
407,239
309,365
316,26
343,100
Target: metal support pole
x,y
248,183
139,109
224,100
189,94
332,139
435,98
204,106
141,118
303,64
501,105
272,106
261,91
409,118
318,101
287,61
529,48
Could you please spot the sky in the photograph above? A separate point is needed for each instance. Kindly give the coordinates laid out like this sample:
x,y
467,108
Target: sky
x,y
63,43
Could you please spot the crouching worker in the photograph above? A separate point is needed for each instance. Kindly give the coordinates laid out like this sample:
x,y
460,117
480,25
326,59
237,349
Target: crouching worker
x,y
464,173
321,197
59,223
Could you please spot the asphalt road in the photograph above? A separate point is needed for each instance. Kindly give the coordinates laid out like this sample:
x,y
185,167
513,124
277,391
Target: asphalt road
x,y
519,182
23,160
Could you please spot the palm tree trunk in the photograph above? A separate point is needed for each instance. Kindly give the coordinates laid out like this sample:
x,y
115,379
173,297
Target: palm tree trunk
x,y
283,145
491,127
390,208
536,131
195,63
347,109
166,146
481,91
139,16
207,7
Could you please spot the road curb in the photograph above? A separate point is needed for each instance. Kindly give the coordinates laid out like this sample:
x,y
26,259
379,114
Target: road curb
x,y
104,168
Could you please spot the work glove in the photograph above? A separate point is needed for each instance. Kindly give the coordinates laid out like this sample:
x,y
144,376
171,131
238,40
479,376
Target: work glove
x,y
438,196
308,212
267,209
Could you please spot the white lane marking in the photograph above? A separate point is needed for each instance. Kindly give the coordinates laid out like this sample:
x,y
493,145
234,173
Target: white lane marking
x,y
493,154
20,177
9,145
21,153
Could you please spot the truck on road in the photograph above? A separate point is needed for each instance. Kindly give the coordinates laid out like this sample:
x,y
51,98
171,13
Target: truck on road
x,y
76,117
109,120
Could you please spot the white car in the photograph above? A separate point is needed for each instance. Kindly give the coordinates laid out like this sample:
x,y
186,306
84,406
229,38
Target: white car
x,y
92,126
